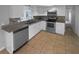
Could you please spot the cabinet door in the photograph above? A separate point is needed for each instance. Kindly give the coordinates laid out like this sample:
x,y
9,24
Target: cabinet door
x,y
43,25
34,29
60,28
61,11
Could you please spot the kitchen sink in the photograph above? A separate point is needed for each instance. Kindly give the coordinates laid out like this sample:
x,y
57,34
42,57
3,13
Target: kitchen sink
x,y
30,21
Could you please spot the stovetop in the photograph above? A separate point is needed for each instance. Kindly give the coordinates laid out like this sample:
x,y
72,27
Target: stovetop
x,y
51,20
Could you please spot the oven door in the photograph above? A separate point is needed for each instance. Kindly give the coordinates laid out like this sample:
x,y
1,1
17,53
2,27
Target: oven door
x,y
50,24
50,27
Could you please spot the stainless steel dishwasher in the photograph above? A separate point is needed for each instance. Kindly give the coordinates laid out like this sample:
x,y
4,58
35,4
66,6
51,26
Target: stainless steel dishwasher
x,y
20,37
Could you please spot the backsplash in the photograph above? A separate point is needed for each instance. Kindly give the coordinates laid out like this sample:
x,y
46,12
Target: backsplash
x,y
40,17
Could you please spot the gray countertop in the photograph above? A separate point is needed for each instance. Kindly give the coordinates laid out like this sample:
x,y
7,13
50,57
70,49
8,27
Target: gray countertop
x,y
17,26
20,25
13,27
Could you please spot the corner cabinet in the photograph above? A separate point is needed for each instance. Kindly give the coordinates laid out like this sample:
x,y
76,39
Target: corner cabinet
x,y
36,28
60,28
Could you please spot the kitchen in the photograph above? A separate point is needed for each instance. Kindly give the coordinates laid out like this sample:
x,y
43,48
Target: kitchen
x,y
27,21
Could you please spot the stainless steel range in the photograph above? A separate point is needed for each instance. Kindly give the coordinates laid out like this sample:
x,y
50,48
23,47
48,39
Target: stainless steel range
x,y
51,22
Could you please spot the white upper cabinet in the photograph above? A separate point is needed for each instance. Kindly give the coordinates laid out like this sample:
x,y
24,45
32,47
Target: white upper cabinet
x,y
61,11
40,10
59,8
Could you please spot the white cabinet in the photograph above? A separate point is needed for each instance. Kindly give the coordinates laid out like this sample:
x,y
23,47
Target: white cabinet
x,y
61,10
43,25
60,28
9,41
36,28
15,40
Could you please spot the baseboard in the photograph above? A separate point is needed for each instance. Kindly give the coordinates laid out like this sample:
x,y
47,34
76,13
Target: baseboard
x,y
2,48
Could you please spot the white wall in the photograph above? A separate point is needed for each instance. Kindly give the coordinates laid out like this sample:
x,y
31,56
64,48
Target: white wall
x,y
77,20
73,18
16,11
4,19
69,11
4,14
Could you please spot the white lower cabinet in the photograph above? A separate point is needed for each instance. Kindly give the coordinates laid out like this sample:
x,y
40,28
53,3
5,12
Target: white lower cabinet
x,y
60,28
16,40
9,41
43,25
36,28
33,30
